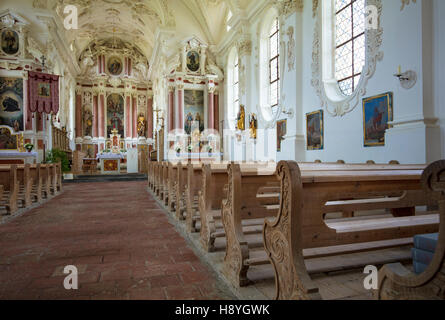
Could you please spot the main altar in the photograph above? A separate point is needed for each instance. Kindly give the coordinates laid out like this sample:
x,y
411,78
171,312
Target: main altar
x,y
112,157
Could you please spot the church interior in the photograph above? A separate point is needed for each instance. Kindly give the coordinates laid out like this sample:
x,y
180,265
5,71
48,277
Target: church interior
x,y
222,150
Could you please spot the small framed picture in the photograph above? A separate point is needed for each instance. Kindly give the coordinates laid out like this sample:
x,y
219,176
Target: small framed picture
x,y
377,113
315,130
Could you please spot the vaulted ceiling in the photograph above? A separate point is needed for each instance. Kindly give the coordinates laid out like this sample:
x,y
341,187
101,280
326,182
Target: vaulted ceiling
x,y
136,21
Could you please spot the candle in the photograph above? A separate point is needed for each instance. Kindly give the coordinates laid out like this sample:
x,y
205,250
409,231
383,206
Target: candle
x,y
399,71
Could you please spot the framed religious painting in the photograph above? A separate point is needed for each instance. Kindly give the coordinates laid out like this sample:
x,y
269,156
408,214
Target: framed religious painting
x,y
10,42
315,130
193,61
281,133
115,66
193,111
377,113
11,103
44,90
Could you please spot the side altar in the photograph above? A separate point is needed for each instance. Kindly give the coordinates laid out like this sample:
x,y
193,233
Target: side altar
x,y
13,150
110,159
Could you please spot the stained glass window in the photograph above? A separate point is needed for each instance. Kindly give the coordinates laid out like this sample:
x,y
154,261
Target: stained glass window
x,y
274,64
350,39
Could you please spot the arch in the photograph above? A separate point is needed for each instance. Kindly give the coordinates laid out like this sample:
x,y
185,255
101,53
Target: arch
x,y
324,78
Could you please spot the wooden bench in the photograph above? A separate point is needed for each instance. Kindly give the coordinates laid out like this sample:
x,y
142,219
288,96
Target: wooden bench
x,y
253,195
307,196
212,193
180,191
172,184
9,188
194,177
398,283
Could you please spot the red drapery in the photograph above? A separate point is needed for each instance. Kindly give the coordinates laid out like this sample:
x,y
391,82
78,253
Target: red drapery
x,y
39,99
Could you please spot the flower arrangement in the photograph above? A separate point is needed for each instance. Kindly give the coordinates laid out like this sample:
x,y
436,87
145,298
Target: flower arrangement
x,y
190,148
29,147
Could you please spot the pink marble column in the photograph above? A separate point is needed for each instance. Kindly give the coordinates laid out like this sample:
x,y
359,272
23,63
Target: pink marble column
x,y
26,114
211,111
128,117
135,118
171,117
78,115
180,108
150,117
216,115
101,115
95,117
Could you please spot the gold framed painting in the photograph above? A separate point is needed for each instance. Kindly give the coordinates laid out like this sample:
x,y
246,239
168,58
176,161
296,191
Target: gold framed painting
x,y
377,113
281,133
315,130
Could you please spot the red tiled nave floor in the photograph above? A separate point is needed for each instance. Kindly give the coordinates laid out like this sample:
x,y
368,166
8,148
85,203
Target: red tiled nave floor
x,y
118,238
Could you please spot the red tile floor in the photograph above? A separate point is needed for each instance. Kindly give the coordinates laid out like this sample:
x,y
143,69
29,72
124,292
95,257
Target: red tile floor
x,y
118,238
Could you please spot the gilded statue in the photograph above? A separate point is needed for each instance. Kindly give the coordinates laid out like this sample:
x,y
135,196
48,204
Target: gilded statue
x,y
253,126
240,125
141,125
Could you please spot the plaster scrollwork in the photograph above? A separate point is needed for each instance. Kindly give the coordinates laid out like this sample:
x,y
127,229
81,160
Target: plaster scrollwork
x,y
142,101
290,49
115,82
287,7
405,3
87,98
314,8
244,47
326,87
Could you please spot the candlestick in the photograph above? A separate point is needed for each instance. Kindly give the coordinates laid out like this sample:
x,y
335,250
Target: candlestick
x,y
399,70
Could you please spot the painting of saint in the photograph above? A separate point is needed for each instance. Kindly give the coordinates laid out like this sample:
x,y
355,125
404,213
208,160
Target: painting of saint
x,y
281,133
10,42
44,90
11,103
7,140
115,114
193,110
193,61
115,66
314,130
377,112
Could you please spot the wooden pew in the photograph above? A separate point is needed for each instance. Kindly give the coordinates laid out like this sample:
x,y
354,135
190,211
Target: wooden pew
x,y
194,172
253,195
10,188
26,183
215,178
172,184
306,196
181,206
398,283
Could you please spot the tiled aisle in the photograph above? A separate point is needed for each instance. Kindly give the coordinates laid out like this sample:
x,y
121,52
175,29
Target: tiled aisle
x,y
118,238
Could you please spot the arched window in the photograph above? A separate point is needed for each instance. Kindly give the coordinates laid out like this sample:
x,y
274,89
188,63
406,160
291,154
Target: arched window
x,y
346,48
274,65
350,51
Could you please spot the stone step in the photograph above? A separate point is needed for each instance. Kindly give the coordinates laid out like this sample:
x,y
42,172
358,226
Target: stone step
x,y
106,178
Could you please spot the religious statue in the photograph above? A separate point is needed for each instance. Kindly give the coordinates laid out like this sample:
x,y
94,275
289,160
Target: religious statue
x,y
240,124
141,125
88,122
253,126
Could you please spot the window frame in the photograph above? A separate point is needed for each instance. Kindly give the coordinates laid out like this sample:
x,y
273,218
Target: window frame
x,y
271,59
353,74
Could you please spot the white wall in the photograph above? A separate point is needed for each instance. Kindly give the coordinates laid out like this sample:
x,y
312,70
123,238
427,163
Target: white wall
x,y
412,39
439,69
